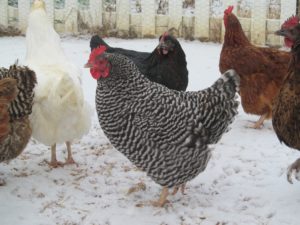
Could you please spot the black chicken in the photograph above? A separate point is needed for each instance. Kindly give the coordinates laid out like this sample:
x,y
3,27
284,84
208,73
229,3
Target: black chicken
x,y
164,132
165,65
286,108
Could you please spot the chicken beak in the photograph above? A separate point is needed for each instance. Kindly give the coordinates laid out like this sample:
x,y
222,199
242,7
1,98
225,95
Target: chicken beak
x,y
281,32
88,65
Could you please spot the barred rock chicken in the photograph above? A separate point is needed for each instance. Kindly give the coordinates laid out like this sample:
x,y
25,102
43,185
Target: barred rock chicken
x,y
261,69
16,99
286,108
165,65
164,132
60,113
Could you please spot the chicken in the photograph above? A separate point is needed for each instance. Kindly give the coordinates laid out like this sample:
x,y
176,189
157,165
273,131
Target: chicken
x,y
286,107
16,99
60,113
164,132
165,65
262,69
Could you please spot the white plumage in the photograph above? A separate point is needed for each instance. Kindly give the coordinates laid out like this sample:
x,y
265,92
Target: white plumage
x,y
60,113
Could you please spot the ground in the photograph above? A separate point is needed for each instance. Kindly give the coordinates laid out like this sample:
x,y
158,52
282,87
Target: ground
x,y
243,184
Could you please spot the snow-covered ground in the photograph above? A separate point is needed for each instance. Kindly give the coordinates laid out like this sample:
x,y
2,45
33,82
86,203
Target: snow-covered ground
x,y
244,182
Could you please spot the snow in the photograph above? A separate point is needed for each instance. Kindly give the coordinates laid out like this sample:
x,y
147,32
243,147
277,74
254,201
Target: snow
x,y
244,183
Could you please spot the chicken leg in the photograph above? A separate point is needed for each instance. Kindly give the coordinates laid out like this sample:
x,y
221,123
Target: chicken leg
x,y
182,189
54,163
258,124
70,159
163,198
295,167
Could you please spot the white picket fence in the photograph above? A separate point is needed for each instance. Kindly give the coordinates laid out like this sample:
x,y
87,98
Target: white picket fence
x,y
202,19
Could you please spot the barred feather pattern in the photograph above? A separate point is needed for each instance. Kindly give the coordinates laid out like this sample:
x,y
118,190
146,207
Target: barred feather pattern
x,y
164,132
26,80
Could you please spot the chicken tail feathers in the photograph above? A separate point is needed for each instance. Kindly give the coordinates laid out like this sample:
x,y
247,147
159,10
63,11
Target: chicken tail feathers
x,y
96,41
26,79
229,82
222,100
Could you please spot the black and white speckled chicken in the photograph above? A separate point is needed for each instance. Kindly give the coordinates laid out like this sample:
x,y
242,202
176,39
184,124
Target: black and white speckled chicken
x,y
164,132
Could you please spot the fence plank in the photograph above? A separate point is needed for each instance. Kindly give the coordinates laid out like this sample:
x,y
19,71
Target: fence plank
x,y
71,16
50,10
175,14
4,13
96,12
202,19
24,10
148,18
258,27
123,12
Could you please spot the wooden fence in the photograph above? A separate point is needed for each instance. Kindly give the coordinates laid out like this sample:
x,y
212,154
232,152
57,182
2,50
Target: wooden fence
x,y
191,19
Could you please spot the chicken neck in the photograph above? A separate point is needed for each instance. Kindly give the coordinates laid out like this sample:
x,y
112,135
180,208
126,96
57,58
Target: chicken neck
x,y
234,34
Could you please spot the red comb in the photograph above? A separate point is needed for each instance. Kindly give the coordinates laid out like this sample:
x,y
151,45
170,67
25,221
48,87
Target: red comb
x,y
164,35
97,51
229,9
290,22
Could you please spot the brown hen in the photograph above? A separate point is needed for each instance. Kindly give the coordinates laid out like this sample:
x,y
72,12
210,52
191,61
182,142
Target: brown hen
x,y
16,99
262,70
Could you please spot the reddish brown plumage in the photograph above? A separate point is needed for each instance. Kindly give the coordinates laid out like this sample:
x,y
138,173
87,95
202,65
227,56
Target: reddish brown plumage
x,y
262,70
8,91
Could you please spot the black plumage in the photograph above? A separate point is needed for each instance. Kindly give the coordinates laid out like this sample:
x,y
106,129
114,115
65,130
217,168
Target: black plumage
x,y
165,65
164,132
286,107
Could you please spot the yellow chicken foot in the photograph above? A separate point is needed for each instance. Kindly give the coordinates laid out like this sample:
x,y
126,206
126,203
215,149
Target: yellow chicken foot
x,y
54,163
70,159
295,167
163,198
260,122
138,187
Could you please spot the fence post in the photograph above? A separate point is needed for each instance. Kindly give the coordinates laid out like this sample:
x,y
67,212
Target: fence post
x,y
4,13
71,16
202,19
287,11
175,14
258,22
50,10
24,10
96,12
148,18
123,10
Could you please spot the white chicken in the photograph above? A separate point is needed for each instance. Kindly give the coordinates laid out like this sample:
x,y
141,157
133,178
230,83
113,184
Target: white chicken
x,y
60,113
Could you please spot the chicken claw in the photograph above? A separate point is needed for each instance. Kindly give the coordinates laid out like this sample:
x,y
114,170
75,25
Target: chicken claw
x,y
294,168
55,164
138,187
163,198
